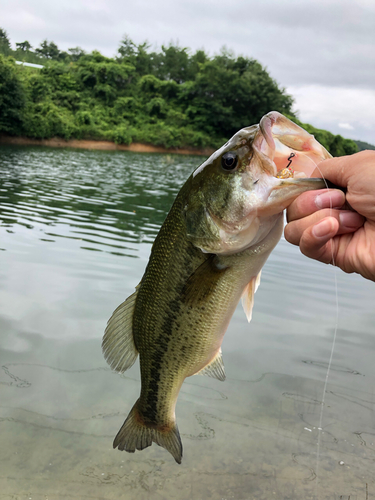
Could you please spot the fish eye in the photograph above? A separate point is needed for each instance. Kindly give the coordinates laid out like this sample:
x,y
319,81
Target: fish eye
x,y
229,161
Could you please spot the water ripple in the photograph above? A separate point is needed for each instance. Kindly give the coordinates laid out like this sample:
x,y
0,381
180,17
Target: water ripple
x,y
104,199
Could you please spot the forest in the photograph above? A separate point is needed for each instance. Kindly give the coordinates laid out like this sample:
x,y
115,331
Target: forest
x,y
170,97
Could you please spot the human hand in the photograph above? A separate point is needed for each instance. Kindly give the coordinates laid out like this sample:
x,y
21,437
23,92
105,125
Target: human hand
x,y
323,224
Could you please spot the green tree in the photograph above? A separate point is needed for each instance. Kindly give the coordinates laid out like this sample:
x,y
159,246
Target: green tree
x,y
48,49
136,55
340,146
174,64
228,94
128,50
24,46
12,98
4,39
75,53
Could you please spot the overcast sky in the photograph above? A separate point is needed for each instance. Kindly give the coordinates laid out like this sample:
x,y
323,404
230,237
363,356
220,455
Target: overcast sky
x,y
322,51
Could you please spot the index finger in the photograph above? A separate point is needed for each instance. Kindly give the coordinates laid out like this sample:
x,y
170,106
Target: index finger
x,y
311,201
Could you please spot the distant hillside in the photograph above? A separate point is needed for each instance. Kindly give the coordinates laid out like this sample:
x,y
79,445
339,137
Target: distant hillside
x,y
170,98
364,145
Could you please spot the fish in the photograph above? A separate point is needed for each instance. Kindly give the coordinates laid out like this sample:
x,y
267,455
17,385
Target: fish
x,y
209,253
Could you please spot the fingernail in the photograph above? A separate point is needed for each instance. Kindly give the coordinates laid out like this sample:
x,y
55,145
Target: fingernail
x,y
330,199
324,228
350,220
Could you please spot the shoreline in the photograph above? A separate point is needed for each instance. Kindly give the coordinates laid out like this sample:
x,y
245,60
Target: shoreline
x,y
135,147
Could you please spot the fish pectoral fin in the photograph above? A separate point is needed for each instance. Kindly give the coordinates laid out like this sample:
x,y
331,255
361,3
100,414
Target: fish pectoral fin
x,y
203,281
118,343
215,368
248,296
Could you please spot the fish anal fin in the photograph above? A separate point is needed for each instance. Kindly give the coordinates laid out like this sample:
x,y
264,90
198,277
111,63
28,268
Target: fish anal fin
x,y
248,296
118,343
215,368
135,434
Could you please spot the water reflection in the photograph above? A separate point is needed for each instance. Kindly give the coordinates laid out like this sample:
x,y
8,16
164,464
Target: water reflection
x,y
71,223
95,198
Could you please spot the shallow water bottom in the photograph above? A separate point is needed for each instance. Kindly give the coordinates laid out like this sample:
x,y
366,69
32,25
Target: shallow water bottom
x,y
261,442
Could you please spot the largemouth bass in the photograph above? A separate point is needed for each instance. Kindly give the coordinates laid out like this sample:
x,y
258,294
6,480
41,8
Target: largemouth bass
x,y
209,253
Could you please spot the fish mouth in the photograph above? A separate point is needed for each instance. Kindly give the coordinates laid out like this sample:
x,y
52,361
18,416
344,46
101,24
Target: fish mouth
x,y
305,183
286,144
287,190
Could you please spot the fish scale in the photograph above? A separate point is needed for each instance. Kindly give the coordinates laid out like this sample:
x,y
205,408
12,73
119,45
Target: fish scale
x,y
156,329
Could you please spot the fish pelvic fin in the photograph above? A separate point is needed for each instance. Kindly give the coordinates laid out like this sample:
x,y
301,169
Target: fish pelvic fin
x,y
118,343
248,296
135,434
215,368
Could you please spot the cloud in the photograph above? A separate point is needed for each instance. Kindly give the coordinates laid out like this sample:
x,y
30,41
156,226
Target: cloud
x,y
326,42
329,107
346,126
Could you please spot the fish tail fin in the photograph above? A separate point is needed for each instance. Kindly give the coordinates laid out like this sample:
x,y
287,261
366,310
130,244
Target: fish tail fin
x,y
136,435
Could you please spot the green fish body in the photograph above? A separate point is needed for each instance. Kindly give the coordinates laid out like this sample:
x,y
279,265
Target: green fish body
x,y
209,253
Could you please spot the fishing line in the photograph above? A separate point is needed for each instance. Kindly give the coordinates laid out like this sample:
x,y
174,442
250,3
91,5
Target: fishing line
x,y
320,428
322,404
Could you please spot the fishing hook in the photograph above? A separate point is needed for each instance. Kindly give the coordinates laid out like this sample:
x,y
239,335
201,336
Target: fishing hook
x,y
292,155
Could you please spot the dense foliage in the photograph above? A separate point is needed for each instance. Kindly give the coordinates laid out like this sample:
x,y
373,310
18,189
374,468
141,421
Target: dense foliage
x,y
364,145
12,99
170,98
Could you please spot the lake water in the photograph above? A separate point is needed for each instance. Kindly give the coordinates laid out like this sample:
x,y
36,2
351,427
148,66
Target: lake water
x,y
76,228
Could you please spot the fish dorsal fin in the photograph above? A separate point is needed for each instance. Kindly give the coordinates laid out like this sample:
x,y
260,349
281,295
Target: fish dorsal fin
x,y
248,296
215,369
118,342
